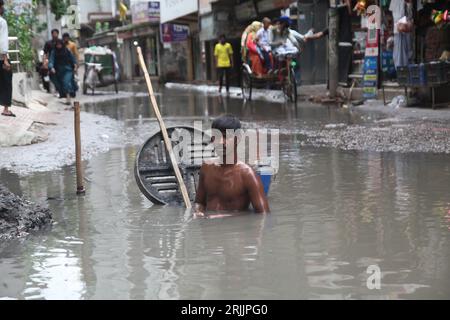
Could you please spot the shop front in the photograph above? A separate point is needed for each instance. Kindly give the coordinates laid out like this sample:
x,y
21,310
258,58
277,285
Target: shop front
x,y
221,20
177,52
147,37
180,52
400,44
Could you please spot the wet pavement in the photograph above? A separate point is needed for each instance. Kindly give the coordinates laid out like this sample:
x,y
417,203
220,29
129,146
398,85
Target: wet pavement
x,y
334,213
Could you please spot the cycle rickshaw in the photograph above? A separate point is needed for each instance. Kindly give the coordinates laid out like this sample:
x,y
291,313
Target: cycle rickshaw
x,y
283,79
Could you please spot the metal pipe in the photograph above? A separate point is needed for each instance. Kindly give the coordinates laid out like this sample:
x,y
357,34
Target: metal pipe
x,y
49,27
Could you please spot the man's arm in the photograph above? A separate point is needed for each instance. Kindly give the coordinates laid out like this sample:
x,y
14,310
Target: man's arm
x,y
4,44
296,37
216,53
256,191
75,52
259,36
47,48
200,197
73,60
319,34
51,62
230,55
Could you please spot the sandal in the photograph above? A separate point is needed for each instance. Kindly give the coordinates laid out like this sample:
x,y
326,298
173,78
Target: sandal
x,y
10,114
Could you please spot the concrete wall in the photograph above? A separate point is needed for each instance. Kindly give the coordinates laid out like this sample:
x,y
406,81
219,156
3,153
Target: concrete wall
x,y
89,6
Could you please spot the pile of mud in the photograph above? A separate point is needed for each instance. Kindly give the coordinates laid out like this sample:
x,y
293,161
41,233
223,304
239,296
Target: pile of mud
x,y
400,137
18,216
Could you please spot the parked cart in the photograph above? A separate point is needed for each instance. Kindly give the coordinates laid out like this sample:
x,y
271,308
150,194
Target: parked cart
x,y
101,69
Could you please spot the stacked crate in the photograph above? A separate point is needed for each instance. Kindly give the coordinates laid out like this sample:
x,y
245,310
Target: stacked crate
x,y
437,72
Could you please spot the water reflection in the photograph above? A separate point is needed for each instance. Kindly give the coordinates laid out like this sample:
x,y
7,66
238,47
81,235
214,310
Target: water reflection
x,y
334,214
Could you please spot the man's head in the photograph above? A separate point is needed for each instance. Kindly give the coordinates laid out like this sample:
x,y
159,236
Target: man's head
x,y
284,22
266,23
2,9
222,39
225,144
66,38
55,34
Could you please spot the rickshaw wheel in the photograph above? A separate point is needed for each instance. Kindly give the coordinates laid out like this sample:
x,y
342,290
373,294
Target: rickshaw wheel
x,y
289,86
293,82
246,84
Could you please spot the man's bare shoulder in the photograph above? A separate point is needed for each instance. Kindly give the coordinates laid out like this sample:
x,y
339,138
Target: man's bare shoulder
x,y
210,163
245,169
208,166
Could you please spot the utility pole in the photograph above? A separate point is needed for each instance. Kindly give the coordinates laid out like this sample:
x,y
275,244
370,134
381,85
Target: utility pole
x,y
113,8
333,42
49,28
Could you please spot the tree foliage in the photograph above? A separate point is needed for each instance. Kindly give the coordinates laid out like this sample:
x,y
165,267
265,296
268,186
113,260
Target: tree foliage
x,y
57,7
20,26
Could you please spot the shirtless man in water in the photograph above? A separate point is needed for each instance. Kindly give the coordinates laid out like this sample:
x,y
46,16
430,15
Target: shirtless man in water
x,y
228,187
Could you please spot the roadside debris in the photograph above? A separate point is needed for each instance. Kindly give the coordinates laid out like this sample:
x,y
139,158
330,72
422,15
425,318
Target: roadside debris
x,y
398,102
18,216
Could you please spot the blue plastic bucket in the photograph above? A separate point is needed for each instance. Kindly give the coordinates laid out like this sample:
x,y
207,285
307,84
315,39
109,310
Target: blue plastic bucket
x,y
265,173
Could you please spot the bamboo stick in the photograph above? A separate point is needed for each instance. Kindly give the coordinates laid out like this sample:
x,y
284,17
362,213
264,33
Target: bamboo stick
x,y
162,126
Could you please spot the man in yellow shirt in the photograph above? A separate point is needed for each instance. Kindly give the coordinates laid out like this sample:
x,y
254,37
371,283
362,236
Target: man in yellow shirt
x,y
223,52
71,45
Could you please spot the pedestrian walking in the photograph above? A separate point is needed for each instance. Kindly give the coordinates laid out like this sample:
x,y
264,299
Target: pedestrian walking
x,y
5,66
62,65
50,44
72,46
45,72
223,52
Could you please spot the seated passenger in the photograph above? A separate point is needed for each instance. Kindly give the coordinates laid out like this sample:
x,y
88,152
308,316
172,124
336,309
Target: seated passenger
x,y
263,42
254,53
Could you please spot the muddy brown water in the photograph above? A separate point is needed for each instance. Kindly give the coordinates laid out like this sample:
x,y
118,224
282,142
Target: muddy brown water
x,y
334,213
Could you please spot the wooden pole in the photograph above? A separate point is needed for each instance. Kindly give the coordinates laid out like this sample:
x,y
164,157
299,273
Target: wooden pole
x,y
162,126
333,60
79,169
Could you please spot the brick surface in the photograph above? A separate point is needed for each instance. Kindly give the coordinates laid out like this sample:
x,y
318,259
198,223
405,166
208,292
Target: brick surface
x,y
26,117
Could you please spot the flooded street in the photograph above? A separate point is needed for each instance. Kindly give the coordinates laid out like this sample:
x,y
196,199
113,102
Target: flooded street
x,y
334,213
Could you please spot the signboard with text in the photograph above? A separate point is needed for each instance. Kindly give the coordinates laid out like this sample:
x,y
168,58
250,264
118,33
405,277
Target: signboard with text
x,y
174,32
370,76
145,11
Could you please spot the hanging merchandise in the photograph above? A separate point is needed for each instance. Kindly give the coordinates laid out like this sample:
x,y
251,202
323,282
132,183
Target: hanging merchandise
x,y
440,17
360,7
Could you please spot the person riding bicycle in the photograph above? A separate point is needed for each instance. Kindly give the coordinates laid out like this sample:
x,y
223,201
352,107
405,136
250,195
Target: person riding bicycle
x,y
283,40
